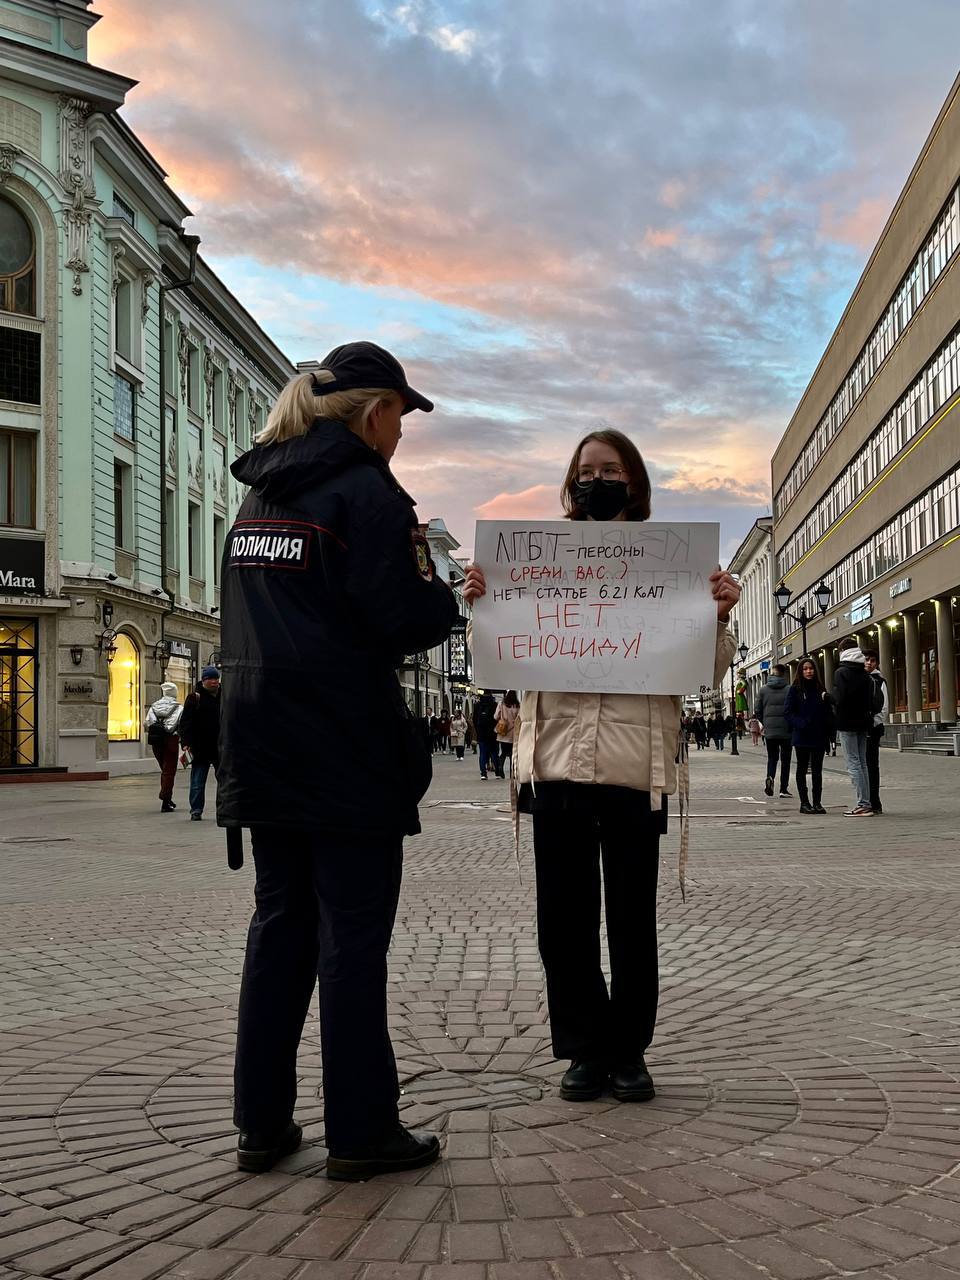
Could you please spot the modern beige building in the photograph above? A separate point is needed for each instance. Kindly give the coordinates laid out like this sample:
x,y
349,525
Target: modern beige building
x,y
866,480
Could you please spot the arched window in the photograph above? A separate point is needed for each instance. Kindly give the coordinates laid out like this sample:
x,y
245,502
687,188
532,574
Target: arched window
x,y
123,710
18,262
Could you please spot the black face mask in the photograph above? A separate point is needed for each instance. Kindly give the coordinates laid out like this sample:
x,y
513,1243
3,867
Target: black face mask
x,y
601,499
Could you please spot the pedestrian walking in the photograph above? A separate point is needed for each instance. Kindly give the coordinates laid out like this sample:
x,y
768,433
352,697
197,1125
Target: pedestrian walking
x,y
458,732
506,713
858,699
871,664
445,733
326,580
718,731
594,771
776,731
808,711
485,727
754,726
200,733
435,742
162,724
700,731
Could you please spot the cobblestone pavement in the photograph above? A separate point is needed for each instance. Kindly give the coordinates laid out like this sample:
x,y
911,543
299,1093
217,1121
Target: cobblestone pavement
x,y
807,1059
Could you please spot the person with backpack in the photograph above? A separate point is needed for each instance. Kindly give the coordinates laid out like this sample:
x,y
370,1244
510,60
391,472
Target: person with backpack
x,y
858,699
162,724
871,662
485,727
508,708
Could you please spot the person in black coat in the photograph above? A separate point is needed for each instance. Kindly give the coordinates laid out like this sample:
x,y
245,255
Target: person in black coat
x,y
485,727
327,584
200,733
808,710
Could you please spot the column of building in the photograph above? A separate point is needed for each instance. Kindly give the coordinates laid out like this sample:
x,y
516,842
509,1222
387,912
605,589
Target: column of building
x,y
946,660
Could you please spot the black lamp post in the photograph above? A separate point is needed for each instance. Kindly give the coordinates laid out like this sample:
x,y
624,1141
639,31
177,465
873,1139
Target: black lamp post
x,y
743,651
822,594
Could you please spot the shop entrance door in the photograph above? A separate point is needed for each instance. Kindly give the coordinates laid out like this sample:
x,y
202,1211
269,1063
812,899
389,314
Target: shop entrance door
x,y
18,693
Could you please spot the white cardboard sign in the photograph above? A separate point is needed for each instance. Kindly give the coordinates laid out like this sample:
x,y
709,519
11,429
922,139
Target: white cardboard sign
x,y
595,606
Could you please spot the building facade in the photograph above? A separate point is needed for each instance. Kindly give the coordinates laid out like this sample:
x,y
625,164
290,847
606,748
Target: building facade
x,y
432,680
130,378
754,615
866,480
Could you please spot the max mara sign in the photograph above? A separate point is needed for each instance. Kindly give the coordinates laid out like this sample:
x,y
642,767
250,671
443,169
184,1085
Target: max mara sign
x,y
21,566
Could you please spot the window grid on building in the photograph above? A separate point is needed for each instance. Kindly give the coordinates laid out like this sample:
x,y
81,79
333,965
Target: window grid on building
x,y
124,408
121,209
19,366
927,519
933,388
923,273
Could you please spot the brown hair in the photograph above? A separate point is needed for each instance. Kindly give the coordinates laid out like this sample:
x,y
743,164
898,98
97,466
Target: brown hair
x,y
638,500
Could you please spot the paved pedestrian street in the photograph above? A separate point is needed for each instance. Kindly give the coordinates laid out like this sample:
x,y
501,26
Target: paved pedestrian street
x,y
807,1120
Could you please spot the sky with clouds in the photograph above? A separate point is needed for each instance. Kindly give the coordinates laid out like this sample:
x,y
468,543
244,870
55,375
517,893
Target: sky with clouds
x,y
647,214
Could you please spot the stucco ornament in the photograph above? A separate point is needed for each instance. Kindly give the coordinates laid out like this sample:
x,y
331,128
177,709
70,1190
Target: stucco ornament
x,y
183,355
9,154
76,176
233,394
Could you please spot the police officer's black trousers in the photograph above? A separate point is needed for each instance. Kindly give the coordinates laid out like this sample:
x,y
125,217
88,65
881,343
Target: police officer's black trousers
x,y
325,906
588,1020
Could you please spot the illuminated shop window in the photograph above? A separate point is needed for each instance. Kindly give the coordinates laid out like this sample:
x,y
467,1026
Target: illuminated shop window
x,y
123,711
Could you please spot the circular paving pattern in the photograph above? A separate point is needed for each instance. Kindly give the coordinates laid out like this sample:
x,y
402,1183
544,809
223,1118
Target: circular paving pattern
x,y
806,1122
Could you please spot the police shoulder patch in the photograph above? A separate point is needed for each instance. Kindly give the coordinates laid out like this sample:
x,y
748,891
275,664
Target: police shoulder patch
x,y
421,551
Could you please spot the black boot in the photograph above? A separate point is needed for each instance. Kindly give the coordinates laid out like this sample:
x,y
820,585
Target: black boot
x,y
632,1083
400,1150
584,1081
257,1152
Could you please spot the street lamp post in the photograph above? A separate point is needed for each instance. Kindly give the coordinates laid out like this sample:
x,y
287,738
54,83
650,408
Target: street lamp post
x,y
823,595
743,651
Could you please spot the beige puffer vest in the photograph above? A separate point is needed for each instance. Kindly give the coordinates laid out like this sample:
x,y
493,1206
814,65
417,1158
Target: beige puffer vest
x,y
616,739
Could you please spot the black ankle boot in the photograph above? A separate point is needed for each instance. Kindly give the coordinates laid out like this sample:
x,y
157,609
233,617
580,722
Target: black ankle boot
x,y
400,1150
584,1081
632,1082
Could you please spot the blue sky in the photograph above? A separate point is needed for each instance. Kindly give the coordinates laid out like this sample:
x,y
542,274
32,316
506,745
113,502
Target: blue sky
x,y
641,213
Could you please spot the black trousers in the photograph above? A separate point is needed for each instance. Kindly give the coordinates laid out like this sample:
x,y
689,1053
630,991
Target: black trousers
x,y
810,759
588,1020
873,765
325,907
778,751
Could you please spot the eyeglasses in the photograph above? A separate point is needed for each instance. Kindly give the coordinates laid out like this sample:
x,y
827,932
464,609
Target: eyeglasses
x,y
586,475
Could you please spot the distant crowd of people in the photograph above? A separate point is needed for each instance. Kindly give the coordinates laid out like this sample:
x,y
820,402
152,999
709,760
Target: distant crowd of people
x,y
488,730
803,722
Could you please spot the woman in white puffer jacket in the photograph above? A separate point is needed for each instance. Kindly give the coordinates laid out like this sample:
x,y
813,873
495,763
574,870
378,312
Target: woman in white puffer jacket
x,y
594,770
163,724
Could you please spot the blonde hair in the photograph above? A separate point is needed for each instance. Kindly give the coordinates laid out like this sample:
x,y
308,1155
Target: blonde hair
x,y
298,404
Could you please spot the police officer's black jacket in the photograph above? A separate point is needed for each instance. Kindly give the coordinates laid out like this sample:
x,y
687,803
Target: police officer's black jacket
x,y
326,585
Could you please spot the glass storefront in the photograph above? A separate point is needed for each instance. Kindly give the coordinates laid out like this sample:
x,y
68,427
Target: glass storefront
x,y
123,710
18,693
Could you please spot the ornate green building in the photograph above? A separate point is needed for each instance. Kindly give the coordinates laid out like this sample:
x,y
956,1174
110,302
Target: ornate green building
x,y
115,493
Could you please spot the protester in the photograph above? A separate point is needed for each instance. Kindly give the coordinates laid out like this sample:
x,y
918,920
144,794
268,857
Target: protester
x,y
808,711
594,770
199,733
506,715
322,760
162,723
776,731
857,700
753,724
458,732
871,664
485,727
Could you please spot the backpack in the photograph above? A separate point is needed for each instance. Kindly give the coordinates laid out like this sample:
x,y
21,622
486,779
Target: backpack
x,y
157,734
876,699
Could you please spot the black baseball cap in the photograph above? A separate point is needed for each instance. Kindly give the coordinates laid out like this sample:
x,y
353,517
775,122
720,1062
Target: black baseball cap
x,y
364,364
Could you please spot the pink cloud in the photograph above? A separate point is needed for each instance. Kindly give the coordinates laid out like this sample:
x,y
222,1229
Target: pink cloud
x,y
541,502
860,226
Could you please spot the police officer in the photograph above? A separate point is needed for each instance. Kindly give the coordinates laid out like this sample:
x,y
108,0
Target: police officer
x,y
327,583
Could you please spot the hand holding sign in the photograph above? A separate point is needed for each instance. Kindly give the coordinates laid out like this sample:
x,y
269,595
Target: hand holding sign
x,y
598,606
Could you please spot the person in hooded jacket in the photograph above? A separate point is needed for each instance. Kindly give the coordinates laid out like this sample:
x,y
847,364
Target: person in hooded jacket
x,y
327,583
200,734
857,700
776,731
808,710
162,723
594,771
